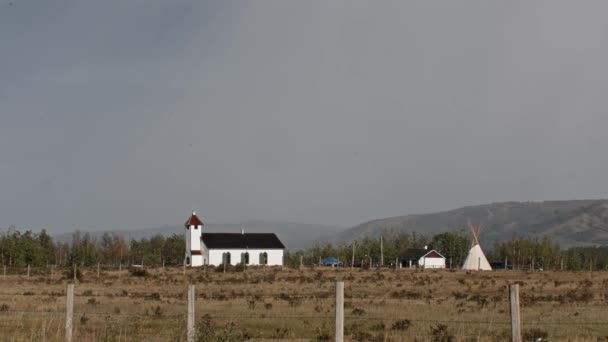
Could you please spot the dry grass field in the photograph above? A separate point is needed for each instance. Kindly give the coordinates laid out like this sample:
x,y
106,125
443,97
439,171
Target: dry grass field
x,y
287,304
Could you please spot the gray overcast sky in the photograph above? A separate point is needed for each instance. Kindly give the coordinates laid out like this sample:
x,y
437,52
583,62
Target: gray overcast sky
x,y
128,114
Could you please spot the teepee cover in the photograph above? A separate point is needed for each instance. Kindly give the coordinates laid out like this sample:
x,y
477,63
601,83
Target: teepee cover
x,y
476,260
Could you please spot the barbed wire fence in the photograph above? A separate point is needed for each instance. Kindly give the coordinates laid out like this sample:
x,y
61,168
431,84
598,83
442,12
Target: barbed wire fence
x,y
189,314
189,299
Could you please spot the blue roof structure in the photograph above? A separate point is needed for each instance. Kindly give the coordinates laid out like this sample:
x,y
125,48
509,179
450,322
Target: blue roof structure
x,y
330,261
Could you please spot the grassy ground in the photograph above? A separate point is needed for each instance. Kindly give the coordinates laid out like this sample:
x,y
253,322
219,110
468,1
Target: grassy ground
x,y
287,304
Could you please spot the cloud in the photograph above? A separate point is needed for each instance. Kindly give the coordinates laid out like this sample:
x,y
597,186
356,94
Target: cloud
x,y
129,114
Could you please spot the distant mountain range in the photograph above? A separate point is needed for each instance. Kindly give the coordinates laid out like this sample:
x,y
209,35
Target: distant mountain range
x,y
293,235
569,223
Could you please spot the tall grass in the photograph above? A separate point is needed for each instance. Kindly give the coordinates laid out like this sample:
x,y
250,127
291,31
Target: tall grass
x,y
288,304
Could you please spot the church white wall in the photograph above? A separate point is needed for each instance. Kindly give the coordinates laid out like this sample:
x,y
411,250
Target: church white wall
x,y
193,236
187,238
432,262
275,256
193,243
197,260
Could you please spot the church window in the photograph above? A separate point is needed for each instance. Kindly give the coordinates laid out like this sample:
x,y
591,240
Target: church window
x,y
245,258
226,258
263,258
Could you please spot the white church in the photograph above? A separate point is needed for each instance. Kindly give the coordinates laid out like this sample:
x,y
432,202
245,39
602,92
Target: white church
x,y
230,248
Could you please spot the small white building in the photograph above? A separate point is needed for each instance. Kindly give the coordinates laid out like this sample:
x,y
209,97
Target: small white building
x,y
421,257
230,248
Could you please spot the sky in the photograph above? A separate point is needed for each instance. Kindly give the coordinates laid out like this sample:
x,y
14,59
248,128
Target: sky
x,y
122,114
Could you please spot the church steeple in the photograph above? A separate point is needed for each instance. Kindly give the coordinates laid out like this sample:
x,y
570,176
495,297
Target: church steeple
x,y
194,253
193,221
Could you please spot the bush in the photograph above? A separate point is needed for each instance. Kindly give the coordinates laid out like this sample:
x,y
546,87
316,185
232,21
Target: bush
x,y
281,333
406,294
358,312
440,333
239,267
220,268
138,272
206,330
157,311
402,324
535,334
323,335
152,296
69,274
378,327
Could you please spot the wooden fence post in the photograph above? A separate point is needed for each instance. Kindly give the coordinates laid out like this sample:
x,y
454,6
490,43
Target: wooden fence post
x,y
190,326
97,270
352,260
381,252
28,271
69,312
4,272
515,318
75,270
339,311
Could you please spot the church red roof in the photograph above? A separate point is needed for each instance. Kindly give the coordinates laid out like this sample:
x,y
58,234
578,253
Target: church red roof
x,y
193,221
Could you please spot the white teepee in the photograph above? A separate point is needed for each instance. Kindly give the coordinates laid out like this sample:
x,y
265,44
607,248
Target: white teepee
x,y
476,260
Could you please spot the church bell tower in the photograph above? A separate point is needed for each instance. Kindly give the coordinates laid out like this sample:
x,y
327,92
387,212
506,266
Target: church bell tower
x,y
194,255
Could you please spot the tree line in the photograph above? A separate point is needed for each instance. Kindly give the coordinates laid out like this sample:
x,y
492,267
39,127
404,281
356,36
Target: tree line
x,y
39,249
371,251
518,253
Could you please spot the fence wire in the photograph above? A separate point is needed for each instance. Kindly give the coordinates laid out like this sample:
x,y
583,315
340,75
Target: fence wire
x,y
264,317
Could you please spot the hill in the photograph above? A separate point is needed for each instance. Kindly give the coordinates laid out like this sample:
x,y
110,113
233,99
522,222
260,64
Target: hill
x,y
293,235
569,223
